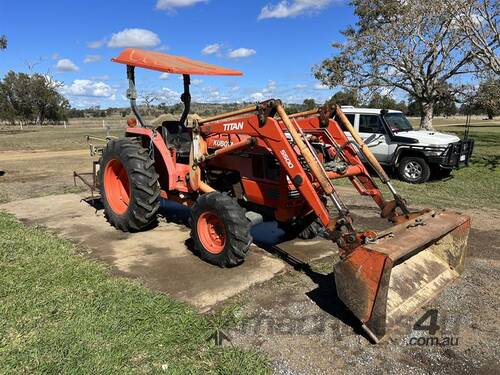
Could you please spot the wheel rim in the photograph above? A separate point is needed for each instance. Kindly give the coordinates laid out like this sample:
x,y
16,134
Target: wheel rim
x,y
211,232
413,170
117,186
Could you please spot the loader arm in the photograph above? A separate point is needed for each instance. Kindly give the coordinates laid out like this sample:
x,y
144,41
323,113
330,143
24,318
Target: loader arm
x,y
381,277
271,135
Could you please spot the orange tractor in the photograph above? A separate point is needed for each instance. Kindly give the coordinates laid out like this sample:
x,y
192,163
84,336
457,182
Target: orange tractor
x,y
258,163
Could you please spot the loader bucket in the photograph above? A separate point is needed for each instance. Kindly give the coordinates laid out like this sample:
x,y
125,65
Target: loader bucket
x,y
405,268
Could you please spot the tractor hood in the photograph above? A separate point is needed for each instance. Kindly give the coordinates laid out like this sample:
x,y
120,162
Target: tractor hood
x,y
429,138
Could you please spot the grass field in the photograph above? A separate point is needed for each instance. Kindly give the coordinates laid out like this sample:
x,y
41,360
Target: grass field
x,y
50,138
475,186
472,187
62,313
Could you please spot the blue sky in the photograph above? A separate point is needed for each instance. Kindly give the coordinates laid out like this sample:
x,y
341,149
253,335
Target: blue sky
x,y
275,43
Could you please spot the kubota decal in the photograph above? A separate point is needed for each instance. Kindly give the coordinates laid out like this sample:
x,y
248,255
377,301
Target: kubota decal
x,y
221,143
233,126
287,159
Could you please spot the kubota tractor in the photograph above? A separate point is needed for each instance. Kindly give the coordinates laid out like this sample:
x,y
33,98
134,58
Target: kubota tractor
x,y
258,163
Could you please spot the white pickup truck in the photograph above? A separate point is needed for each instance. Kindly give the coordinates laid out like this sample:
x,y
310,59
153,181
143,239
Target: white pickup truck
x,y
414,154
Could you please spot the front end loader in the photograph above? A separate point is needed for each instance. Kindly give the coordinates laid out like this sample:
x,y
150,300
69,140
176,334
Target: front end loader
x,y
257,163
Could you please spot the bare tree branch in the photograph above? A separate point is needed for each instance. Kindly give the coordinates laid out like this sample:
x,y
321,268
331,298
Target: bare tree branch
x,y
414,46
477,21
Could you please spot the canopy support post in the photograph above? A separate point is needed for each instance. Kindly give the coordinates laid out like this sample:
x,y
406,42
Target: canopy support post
x,y
132,94
186,99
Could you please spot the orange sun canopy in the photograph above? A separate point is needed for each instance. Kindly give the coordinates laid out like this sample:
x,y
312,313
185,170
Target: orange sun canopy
x,y
170,63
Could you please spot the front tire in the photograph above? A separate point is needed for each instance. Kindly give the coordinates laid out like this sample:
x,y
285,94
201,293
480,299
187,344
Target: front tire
x,y
129,187
312,231
414,170
220,230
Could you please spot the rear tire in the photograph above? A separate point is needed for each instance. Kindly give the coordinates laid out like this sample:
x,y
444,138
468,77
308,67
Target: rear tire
x,y
129,186
220,230
414,170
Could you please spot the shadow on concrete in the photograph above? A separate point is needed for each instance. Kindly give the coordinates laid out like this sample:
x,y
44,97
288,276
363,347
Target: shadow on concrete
x,y
268,235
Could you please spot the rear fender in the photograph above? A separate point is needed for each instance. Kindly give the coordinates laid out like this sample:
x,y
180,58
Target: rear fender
x,y
166,163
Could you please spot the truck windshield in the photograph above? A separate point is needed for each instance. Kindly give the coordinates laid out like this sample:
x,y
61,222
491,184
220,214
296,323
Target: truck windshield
x,y
398,122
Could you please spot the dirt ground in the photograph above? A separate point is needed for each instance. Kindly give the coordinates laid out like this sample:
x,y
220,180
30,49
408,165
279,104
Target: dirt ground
x,y
296,318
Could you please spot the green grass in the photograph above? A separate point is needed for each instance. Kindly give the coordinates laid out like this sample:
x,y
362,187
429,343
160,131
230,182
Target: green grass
x,y
50,138
458,122
472,187
63,313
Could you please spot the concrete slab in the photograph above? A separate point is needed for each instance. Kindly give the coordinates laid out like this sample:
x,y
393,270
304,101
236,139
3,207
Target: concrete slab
x,y
159,257
268,234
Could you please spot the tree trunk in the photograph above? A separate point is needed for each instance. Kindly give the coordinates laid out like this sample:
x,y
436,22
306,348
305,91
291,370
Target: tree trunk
x,y
427,115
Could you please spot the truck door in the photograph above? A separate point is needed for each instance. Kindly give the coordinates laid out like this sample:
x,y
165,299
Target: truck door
x,y
371,130
353,119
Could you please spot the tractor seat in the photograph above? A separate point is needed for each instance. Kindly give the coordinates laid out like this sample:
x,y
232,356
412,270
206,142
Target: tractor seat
x,y
176,135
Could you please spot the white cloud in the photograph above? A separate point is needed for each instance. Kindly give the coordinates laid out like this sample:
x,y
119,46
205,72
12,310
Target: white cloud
x,y
96,44
211,49
92,59
66,65
257,96
320,86
293,8
270,88
196,82
241,52
164,76
168,96
172,4
55,56
139,38
235,88
86,87
300,86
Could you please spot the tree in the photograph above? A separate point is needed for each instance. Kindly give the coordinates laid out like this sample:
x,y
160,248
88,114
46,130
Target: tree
x,y
3,42
382,101
477,20
487,98
412,46
148,98
386,102
346,97
446,107
31,99
309,104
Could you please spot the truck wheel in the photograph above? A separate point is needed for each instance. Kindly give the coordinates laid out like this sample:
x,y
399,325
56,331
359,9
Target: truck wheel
x,y
220,230
414,170
129,186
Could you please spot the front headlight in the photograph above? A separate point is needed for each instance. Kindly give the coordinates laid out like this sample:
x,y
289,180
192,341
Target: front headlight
x,y
436,150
